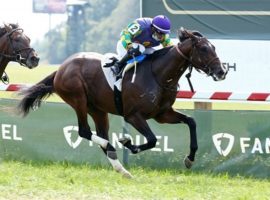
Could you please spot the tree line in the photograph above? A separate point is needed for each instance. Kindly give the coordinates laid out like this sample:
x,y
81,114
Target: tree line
x,y
94,26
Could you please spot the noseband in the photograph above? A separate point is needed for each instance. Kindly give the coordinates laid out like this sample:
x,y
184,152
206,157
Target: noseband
x,y
16,53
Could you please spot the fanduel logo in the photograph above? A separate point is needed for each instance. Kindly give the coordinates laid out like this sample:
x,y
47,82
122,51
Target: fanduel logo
x,y
220,138
74,140
68,130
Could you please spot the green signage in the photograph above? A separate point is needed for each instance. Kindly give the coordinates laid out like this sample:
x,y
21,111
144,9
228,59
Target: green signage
x,y
237,142
230,19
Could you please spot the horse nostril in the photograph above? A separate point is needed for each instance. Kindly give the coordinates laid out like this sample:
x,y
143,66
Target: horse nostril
x,y
221,72
34,59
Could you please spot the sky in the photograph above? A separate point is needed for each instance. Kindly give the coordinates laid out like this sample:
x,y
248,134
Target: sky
x,y
35,25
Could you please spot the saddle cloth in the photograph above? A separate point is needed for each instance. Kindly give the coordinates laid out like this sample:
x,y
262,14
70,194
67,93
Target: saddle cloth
x,y
110,77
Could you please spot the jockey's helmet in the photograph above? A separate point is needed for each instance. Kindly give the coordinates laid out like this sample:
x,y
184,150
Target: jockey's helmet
x,y
162,24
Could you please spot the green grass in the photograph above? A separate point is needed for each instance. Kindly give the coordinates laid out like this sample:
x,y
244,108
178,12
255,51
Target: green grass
x,y
19,74
20,180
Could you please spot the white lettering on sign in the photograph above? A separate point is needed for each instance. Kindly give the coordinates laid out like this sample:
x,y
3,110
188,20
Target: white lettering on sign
x,y
267,145
74,141
244,143
9,132
161,145
257,147
247,144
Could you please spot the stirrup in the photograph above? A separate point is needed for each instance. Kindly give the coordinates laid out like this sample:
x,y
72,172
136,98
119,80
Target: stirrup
x,y
118,76
107,65
112,63
115,70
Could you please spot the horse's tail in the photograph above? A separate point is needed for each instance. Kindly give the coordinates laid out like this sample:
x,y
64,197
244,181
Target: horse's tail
x,y
33,96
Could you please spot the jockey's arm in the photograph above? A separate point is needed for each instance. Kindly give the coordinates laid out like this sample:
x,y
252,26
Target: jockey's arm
x,y
132,30
166,41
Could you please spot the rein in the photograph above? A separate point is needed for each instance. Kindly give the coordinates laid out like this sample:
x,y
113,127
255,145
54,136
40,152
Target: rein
x,y
171,89
188,75
192,64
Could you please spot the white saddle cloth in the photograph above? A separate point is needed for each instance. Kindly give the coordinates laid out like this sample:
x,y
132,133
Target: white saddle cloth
x,y
110,77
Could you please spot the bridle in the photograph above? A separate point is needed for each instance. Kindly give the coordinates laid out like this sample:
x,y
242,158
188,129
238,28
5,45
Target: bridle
x,y
192,64
16,53
206,69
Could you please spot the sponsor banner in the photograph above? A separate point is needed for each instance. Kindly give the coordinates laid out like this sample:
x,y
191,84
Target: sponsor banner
x,y
248,66
49,6
230,19
238,28
237,142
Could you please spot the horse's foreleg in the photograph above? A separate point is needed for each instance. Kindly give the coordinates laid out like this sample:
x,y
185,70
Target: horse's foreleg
x,y
107,148
102,138
141,125
174,117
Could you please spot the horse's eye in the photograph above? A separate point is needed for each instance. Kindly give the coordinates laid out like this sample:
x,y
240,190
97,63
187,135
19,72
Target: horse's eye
x,y
17,39
204,49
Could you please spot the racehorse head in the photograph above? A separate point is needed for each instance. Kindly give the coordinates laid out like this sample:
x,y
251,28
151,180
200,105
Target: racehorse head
x,y
202,55
15,46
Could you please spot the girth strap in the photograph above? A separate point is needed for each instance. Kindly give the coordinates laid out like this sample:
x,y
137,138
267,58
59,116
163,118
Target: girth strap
x,y
118,100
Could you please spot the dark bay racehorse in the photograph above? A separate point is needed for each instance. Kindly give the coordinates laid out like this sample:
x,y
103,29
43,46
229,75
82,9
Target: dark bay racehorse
x,y
15,46
81,83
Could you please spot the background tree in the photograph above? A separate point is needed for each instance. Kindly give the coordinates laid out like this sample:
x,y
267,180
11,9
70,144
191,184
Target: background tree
x,y
96,29
104,34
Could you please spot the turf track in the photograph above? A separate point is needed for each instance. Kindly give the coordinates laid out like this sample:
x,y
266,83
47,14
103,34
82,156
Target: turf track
x,y
68,181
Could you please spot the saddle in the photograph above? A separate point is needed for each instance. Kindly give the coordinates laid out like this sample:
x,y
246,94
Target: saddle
x,y
109,60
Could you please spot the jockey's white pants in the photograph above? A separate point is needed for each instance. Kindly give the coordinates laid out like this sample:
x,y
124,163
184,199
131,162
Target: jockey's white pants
x,y
121,51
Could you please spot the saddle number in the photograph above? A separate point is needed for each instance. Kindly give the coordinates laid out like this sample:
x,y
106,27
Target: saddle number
x,y
134,28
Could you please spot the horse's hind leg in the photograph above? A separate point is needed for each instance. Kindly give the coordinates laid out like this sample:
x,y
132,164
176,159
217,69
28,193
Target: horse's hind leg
x,y
102,128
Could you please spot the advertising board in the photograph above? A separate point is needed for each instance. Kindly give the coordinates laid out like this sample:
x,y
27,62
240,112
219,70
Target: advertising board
x,y
49,6
249,68
236,142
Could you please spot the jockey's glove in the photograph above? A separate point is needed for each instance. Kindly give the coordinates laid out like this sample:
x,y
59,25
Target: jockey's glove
x,y
129,45
134,51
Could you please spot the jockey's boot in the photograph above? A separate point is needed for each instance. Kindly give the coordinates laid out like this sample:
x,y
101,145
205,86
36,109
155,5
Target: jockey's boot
x,y
118,66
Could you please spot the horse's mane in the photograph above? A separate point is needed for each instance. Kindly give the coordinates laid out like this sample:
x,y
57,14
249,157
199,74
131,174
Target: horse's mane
x,y
182,38
3,29
159,52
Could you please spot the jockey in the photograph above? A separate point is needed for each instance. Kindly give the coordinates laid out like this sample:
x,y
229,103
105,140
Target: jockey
x,y
140,37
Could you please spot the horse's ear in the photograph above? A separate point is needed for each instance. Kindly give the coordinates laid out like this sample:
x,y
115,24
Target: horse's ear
x,y
183,34
7,27
197,33
194,35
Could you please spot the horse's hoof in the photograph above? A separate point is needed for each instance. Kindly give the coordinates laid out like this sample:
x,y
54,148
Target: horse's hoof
x,y
188,163
124,140
127,175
